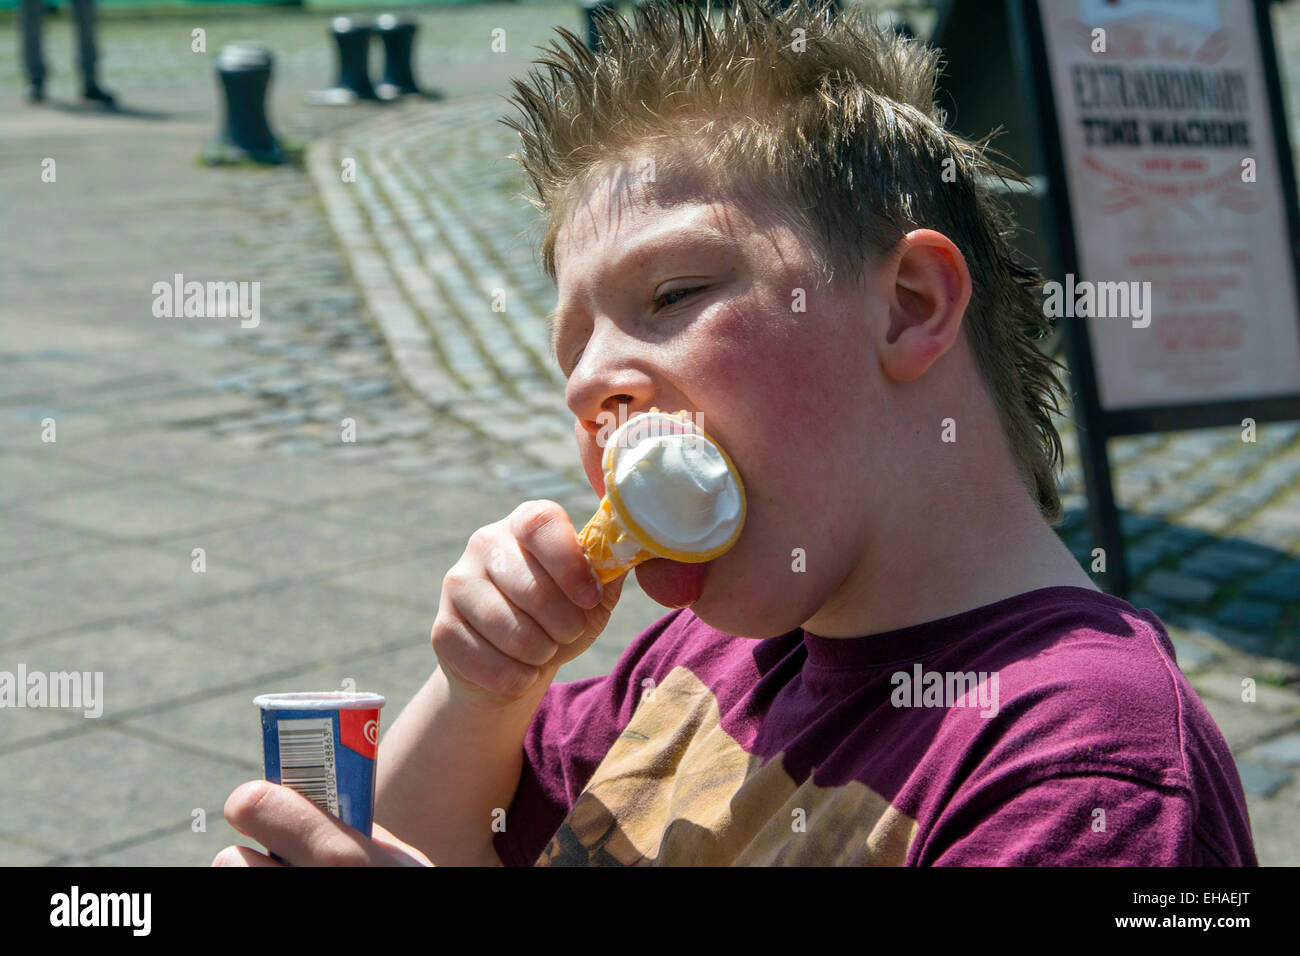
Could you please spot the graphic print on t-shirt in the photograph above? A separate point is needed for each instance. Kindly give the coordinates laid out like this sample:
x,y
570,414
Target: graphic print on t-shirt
x,y
677,790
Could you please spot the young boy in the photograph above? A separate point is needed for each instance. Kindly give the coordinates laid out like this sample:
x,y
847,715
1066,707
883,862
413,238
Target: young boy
x,y
898,662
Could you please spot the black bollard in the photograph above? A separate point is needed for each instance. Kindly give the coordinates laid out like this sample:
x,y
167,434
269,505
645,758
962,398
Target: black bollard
x,y
352,39
398,35
592,9
244,70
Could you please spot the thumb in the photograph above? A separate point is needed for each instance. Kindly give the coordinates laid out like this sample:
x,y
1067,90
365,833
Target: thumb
x,y
610,593
598,616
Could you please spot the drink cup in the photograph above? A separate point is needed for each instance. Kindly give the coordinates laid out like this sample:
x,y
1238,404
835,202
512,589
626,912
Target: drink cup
x,y
323,746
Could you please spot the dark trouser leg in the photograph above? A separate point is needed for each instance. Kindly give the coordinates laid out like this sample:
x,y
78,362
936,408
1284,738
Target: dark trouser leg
x,y
29,40
85,12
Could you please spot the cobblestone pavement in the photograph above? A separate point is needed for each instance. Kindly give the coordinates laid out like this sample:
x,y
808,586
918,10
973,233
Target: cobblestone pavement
x,y
324,556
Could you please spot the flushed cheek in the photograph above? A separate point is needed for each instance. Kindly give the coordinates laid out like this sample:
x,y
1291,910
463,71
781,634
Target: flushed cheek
x,y
754,590
768,367
785,566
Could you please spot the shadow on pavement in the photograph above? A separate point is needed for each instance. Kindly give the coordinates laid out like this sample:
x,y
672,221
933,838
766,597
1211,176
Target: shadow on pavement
x,y
1244,593
95,109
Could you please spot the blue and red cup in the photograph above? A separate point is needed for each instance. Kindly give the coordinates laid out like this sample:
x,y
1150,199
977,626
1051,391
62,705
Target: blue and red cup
x,y
323,746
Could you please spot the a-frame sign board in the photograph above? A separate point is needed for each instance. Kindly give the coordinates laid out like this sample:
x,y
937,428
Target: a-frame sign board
x,y
1164,217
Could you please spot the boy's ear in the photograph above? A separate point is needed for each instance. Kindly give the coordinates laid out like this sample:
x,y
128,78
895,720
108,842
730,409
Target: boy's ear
x,y
928,287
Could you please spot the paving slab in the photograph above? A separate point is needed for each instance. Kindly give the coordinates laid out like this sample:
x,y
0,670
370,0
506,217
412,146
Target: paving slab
x,y
433,512
1180,588
141,509
1244,725
1226,685
415,581
1250,615
19,854
304,623
34,475
1283,750
191,409
183,847
144,668
157,451
102,584
21,725
22,426
292,545
1262,780
1272,823
26,539
31,377
1202,566
1191,656
292,480
138,787
75,335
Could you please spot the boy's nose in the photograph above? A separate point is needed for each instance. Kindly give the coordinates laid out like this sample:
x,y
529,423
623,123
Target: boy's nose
x,y
606,378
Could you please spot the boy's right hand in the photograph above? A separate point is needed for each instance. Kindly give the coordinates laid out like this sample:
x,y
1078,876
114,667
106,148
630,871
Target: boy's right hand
x,y
521,601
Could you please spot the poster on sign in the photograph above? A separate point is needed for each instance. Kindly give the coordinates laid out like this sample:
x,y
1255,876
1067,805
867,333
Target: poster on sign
x,y
1187,269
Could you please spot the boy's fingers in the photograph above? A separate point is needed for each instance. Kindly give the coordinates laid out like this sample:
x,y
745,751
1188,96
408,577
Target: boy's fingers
x,y
467,656
403,852
481,605
243,856
544,530
529,587
297,830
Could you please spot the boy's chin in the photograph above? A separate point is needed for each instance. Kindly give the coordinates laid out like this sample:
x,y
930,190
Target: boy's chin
x,y
673,584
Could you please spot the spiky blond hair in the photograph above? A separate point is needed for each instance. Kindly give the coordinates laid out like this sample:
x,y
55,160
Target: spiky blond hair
x,y
830,119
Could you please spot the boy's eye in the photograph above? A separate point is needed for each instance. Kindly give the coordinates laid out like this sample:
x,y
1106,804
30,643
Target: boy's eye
x,y
675,292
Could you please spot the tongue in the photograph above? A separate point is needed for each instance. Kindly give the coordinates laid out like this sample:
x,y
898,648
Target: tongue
x,y
671,583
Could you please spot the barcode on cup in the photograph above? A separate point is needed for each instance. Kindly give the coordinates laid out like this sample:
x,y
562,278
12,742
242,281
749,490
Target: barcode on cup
x,y
307,760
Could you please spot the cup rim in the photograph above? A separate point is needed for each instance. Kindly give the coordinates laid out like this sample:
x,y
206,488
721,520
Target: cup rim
x,y
320,700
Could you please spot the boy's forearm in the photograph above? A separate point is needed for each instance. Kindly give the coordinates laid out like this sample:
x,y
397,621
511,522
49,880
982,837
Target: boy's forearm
x,y
444,767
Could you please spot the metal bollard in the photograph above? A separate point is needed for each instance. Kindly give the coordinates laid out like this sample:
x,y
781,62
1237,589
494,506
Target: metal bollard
x,y
244,70
352,39
592,9
398,35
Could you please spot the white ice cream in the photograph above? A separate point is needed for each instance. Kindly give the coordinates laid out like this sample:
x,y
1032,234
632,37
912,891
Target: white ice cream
x,y
677,487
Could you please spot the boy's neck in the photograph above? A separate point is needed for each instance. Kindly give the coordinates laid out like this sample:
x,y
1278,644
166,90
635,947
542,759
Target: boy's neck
x,y
1008,550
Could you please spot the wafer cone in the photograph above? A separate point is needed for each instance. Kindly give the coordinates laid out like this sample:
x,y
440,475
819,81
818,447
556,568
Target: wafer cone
x,y
599,538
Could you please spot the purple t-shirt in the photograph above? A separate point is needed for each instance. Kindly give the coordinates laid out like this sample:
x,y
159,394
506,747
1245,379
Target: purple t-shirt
x,y
1051,728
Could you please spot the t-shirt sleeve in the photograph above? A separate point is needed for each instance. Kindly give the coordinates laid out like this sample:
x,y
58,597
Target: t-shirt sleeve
x,y
574,727
1088,819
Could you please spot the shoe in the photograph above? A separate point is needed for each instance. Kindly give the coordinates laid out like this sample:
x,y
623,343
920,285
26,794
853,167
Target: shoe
x,y
93,92
36,93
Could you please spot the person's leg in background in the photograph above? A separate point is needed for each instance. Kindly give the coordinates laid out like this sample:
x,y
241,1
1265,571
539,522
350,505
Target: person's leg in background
x,y
29,38
90,89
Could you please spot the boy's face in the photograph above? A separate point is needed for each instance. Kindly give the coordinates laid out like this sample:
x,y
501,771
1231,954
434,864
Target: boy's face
x,y
793,396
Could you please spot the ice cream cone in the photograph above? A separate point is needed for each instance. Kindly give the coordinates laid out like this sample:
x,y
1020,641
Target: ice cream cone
x,y
609,547
624,533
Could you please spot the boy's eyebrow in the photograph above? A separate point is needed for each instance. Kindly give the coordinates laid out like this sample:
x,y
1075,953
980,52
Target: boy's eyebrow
x,y
651,249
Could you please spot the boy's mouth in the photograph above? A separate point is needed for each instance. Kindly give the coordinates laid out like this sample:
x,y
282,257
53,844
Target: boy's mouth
x,y
671,583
